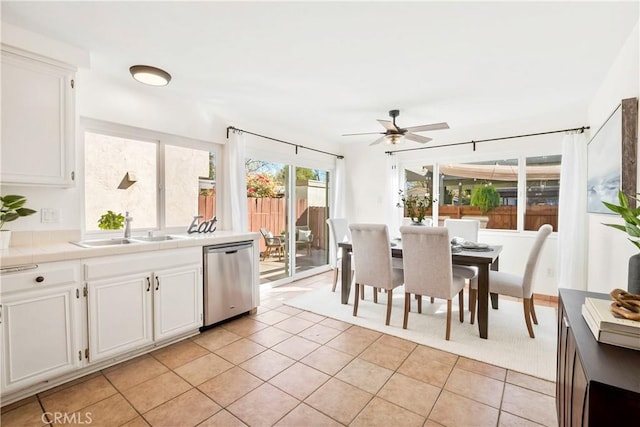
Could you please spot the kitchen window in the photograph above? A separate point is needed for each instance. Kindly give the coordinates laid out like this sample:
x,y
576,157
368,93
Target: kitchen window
x,y
163,181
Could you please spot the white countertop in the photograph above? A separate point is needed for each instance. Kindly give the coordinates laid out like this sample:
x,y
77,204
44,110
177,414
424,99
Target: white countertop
x,y
64,251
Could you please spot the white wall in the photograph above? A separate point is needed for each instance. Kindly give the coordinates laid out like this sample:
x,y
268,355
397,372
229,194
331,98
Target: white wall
x,y
609,250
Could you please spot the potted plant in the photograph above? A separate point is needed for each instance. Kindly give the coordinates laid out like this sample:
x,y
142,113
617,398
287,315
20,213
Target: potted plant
x,y
416,207
111,221
631,217
12,209
486,197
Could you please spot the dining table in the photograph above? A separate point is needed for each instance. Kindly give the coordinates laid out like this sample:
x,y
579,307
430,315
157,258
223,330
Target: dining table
x,y
485,258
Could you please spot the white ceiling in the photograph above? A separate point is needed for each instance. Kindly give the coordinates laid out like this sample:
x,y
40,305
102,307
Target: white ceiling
x,y
318,70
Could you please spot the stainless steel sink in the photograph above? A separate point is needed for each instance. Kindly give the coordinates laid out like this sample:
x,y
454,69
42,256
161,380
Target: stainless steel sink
x,y
104,242
160,238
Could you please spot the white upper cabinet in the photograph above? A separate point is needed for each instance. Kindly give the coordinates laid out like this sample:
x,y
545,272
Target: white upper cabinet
x,y
38,120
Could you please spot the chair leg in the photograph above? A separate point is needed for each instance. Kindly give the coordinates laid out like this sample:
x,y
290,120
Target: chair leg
x,y
335,279
432,300
473,305
389,303
461,304
533,311
526,303
419,298
375,295
407,307
362,292
355,300
494,300
448,334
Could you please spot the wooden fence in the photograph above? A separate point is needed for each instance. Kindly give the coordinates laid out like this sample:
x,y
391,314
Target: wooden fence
x,y
505,217
270,213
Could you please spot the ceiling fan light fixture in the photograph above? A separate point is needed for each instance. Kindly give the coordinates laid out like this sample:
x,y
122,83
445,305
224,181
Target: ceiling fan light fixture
x,y
149,75
395,138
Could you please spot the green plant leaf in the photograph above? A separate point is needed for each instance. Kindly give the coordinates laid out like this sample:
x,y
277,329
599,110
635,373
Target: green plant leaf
x,y
25,211
632,230
624,202
10,216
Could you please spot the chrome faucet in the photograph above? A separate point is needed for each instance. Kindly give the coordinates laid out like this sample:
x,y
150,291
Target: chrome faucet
x,y
127,225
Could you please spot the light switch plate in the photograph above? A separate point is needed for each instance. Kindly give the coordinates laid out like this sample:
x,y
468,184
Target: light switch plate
x,y
50,216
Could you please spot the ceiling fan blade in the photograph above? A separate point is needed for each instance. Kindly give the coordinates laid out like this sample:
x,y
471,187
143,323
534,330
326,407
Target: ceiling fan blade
x,y
378,141
424,128
366,133
388,125
416,138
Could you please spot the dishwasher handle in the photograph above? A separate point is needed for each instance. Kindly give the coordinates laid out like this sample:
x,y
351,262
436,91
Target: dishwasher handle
x,y
227,248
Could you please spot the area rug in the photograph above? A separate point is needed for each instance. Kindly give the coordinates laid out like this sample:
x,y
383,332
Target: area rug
x,y
508,345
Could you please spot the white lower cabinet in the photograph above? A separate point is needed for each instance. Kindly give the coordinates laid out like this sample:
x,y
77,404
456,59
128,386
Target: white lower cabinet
x,y
41,323
54,322
128,309
119,315
177,301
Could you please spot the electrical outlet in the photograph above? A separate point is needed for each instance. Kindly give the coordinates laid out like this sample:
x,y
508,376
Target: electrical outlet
x,y
550,272
50,216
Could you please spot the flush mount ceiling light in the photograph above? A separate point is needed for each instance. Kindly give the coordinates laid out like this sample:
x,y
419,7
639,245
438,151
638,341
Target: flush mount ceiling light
x,y
150,75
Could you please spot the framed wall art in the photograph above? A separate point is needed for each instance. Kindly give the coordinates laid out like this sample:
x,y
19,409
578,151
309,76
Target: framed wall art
x,y
611,158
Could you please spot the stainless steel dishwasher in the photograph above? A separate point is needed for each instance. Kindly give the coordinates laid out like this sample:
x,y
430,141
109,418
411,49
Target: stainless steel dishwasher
x,y
228,281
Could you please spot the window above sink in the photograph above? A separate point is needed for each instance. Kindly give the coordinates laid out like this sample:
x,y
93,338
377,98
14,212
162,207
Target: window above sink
x,y
174,179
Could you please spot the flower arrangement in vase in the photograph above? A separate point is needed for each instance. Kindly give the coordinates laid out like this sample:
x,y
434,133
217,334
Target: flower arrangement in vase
x,y
416,207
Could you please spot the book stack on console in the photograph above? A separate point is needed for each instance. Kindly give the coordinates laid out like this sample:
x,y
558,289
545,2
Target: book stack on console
x,y
608,328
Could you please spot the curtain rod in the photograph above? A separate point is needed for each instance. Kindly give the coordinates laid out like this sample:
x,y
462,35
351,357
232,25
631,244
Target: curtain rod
x,y
283,142
581,129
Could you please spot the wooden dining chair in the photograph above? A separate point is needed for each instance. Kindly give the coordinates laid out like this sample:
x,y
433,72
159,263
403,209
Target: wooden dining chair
x,y
426,254
519,286
372,262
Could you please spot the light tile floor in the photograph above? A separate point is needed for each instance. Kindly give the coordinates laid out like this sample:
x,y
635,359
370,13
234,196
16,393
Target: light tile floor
x,y
287,367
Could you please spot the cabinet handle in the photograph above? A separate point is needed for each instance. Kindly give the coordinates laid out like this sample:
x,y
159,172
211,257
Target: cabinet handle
x,y
566,323
40,279
157,283
148,285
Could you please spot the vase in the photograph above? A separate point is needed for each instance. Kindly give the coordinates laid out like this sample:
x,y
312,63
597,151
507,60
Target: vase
x,y
633,281
5,238
416,222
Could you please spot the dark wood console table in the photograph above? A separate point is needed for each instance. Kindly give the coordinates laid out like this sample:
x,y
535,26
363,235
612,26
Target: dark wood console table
x,y
596,384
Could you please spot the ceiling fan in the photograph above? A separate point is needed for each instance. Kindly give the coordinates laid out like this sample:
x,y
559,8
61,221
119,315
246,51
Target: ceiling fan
x,y
394,134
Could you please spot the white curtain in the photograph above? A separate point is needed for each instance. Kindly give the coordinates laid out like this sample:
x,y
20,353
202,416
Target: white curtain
x,y
235,183
572,213
393,185
338,210
338,207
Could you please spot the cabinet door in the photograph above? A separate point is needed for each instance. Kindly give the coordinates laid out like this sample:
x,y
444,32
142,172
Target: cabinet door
x,y
38,116
177,301
119,311
40,332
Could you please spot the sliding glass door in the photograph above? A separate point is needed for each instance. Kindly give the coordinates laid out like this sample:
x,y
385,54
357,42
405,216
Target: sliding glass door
x,y
289,206
311,213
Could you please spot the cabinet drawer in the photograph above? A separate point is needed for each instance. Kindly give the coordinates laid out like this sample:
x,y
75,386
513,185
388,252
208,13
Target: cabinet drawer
x,y
43,275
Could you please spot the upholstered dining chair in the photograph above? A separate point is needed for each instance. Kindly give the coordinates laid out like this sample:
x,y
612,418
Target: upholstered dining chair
x,y
519,286
466,229
372,262
339,231
428,269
